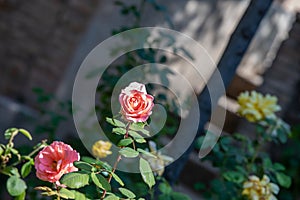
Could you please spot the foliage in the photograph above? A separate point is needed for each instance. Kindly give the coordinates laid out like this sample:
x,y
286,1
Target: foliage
x,y
15,165
239,156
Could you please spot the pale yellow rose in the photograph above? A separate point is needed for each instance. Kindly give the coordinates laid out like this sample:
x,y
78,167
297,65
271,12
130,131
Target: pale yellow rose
x,y
256,189
101,149
256,107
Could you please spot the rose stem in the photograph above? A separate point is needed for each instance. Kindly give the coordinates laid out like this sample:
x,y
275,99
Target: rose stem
x,y
117,161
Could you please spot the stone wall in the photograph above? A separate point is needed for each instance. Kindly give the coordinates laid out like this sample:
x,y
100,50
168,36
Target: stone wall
x,y
37,40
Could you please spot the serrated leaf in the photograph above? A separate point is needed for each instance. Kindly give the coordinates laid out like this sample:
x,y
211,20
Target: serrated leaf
x,y
135,135
140,126
119,131
26,133
75,180
83,165
15,186
26,169
125,142
128,152
146,172
127,193
118,179
115,122
283,180
66,194
100,181
146,153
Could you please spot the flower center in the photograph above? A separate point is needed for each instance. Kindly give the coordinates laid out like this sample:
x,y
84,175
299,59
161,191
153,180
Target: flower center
x,y
56,165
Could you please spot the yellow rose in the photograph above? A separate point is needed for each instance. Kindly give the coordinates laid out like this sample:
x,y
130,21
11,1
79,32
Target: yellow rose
x,y
101,149
256,107
256,189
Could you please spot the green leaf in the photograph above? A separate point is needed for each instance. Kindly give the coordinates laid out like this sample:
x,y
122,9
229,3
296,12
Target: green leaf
x,y
97,162
141,140
165,188
9,132
26,168
21,196
89,160
146,173
127,193
135,135
119,131
128,152
115,122
125,142
79,195
179,196
117,178
105,165
43,188
112,197
233,176
14,151
278,167
267,163
75,180
50,193
100,181
26,133
146,153
283,180
15,186
66,194
83,165
139,127
1,150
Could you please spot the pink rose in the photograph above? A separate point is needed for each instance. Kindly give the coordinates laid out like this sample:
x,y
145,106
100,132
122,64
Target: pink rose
x,y
136,104
54,161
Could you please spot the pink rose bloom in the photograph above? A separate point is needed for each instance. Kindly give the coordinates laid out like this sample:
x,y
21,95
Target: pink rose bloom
x,y
136,104
54,161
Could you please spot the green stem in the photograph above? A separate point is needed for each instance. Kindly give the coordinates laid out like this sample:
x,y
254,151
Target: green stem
x,y
32,153
256,152
116,163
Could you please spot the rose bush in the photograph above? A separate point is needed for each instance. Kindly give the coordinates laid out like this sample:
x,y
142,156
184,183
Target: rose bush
x,y
136,104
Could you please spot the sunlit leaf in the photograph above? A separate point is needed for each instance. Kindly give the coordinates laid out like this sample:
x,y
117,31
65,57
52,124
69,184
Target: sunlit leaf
x,y
75,180
146,172
100,181
128,152
127,193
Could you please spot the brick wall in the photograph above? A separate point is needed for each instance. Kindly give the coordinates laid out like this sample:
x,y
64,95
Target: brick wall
x,y
37,40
